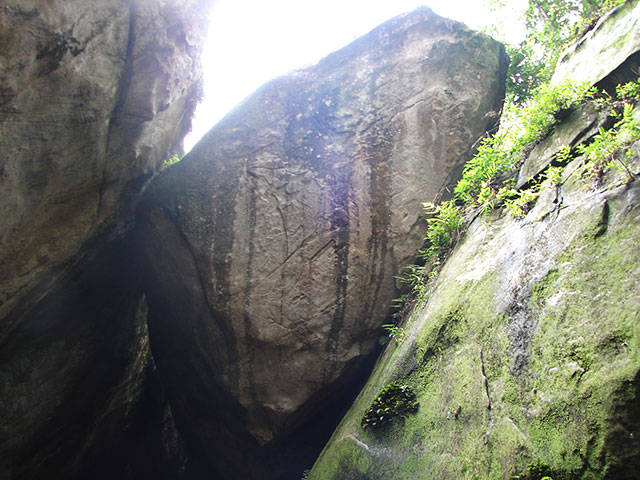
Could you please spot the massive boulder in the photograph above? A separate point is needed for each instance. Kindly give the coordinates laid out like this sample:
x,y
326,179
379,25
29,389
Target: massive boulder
x,y
93,97
525,359
271,249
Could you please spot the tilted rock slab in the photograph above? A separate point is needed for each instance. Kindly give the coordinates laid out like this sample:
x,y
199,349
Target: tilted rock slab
x,y
613,42
526,357
273,246
93,97
525,360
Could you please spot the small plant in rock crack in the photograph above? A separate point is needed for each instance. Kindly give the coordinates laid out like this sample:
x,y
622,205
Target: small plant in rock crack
x,y
629,91
171,161
554,175
396,400
443,227
519,202
413,276
395,333
609,148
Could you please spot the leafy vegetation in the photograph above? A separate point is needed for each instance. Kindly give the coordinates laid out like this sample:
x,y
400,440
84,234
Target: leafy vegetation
x,y
171,161
487,180
518,203
607,150
395,333
534,107
396,400
628,92
480,184
443,227
444,223
542,471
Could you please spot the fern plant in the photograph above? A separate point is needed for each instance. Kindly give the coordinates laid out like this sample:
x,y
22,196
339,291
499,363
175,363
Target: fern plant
x,y
608,148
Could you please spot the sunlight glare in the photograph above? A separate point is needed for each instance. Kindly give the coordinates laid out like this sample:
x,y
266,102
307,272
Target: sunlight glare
x,y
253,41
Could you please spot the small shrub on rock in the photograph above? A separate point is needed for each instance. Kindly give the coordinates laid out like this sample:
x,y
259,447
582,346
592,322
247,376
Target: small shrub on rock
x,y
396,400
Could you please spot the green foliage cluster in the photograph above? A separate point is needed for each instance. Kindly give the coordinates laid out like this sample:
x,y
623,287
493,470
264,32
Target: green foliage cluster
x,y
532,110
629,92
394,332
480,185
171,161
553,24
395,401
444,223
526,73
609,147
443,227
542,471
518,202
487,178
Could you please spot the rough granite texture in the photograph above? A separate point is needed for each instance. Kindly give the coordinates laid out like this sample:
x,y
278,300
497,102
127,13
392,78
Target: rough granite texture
x,y
272,247
93,97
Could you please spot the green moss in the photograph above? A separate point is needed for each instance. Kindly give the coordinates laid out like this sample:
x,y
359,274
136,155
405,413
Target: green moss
x,y
569,409
542,471
583,350
396,400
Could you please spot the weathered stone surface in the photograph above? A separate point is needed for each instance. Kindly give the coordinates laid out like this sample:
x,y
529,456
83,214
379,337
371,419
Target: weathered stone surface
x,y
93,97
614,39
526,357
78,394
272,247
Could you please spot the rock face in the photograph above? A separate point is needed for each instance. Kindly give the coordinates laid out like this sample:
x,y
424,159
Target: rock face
x,y
271,249
525,359
77,381
93,97
613,42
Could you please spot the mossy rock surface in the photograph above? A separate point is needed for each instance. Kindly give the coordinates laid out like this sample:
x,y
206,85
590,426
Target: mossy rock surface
x,y
525,360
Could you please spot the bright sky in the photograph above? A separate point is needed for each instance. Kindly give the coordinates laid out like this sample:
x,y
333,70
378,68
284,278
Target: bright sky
x,y
253,41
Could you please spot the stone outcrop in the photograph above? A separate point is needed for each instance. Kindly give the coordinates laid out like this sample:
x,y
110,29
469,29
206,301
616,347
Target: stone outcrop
x,y
525,359
613,47
271,249
93,97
